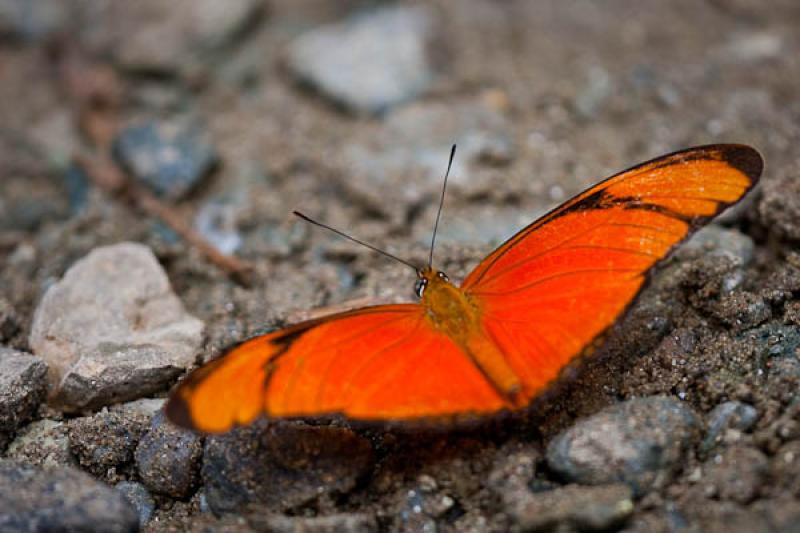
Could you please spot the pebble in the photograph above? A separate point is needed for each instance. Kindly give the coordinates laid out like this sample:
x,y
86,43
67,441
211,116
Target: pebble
x,y
10,322
60,499
42,443
170,158
423,504
137,495
389,70
640,442
741,310
336,523
30,195
282,465
216,221
574,507
112,330
779,208
785,468
718,241
105,442
168,459
512,474
168,38
735,474
23,385
32,21
732,415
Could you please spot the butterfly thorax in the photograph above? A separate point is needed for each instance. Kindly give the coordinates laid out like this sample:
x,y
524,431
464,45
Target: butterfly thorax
x,y
447,307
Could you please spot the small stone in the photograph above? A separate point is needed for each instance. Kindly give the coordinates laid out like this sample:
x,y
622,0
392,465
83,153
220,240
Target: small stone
x,y
736,474
422,505
169,158
741,310
42,443
598,88
780,203
104,443
23,385
112,329
60,499
30,195
216,221
512,474
389,71
32,21
640,442
785,468
282,465
337,523
726,416
168,38
9,321
574,507
168,458
137,495
720,242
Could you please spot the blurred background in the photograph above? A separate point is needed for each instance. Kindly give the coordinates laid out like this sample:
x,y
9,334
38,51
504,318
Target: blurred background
x,y
207,122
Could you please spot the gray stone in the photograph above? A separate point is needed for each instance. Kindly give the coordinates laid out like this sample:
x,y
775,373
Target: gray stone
x,y
337,523
137,495
512,474
640,442
170,158
168,38
216,221
42,443
35,20
30,193
719,241
9,321
735,474
112,329
728,416
60,499
23,385
573,507
282,465
389,70
104,443
168,458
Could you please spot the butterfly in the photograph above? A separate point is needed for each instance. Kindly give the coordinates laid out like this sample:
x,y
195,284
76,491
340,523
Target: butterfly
x,y
529,309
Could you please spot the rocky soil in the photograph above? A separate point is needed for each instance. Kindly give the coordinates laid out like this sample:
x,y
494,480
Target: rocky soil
x,y
143,144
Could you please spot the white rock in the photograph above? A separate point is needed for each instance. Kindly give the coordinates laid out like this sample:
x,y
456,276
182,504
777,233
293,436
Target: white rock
x,y
384,49
112,330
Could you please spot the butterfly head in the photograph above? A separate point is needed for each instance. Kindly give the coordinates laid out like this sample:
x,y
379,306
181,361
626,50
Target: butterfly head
x,y
429,277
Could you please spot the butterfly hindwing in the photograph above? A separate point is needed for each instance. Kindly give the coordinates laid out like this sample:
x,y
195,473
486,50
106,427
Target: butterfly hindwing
x,y
376,363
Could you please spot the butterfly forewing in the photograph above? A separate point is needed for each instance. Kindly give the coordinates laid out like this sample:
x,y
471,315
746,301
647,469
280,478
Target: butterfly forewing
x,y
556,286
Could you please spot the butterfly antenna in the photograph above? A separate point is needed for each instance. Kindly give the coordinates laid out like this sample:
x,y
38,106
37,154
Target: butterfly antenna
x,y
441,204
346,236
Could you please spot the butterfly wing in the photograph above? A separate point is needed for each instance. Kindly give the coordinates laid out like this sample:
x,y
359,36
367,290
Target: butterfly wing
x,y
382,362
549,293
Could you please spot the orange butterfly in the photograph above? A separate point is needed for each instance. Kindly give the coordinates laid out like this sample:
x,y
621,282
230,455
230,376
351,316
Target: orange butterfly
x,y
498,341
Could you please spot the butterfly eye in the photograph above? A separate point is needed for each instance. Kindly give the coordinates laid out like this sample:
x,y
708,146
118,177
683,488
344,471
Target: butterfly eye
x,y
419,287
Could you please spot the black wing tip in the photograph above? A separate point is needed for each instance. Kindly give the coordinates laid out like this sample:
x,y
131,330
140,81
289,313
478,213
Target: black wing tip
x,y
744,158
177,411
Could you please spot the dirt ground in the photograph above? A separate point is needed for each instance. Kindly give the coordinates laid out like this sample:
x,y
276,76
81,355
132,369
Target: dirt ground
x,y
544,99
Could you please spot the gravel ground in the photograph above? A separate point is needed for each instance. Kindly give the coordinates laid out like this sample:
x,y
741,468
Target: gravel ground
x,y
131,128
